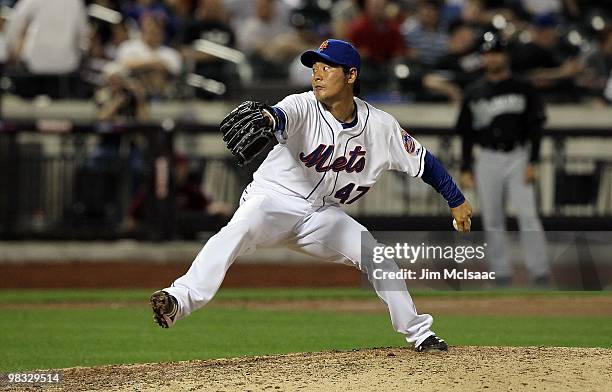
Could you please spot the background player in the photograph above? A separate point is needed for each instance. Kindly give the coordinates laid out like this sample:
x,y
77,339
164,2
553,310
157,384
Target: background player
x,y
503,114
332,148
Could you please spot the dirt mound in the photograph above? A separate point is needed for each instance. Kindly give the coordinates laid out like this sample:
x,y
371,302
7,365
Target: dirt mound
x,y
388,369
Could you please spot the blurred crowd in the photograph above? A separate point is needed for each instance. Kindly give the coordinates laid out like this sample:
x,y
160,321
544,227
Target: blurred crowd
x,y
125,52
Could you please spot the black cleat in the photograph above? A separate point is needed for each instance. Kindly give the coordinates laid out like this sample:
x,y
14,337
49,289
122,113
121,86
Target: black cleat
x,y
164,308
432,344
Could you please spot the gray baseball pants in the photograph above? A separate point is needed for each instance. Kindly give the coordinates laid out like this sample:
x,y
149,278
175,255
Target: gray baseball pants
x,y
499,175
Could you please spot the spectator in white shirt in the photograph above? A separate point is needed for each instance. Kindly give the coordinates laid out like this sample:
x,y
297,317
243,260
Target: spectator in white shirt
x,y
148,59
255,35
47,41
255,32
48,38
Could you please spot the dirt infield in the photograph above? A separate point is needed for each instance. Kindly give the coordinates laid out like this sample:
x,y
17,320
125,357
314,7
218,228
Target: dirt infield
x,y
143,274
146,274
388,369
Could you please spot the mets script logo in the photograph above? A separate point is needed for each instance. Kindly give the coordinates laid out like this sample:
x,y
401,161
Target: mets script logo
x,y
320,155
323,46
409,144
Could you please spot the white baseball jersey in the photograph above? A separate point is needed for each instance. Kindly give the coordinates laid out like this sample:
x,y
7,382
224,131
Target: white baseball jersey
x,y
327,162
319,164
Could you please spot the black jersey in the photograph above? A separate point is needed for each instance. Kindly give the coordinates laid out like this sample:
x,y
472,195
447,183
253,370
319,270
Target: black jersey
x,y
500,115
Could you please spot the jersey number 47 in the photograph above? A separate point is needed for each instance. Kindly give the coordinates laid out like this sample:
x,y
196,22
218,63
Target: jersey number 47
x,y
345,192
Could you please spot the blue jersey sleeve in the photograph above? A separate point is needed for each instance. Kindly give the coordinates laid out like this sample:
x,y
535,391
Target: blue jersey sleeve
x,y
280,128
292,112
436,175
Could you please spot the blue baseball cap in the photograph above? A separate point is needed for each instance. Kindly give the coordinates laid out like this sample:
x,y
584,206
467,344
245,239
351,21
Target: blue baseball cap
x,y
333,51
546,21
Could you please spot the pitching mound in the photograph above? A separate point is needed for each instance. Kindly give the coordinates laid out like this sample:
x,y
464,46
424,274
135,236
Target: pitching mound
x,y
388,369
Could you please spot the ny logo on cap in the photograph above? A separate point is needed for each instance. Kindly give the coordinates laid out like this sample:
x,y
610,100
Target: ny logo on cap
x,y
323,46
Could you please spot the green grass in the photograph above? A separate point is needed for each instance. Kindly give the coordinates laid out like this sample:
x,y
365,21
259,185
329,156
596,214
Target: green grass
x,y
74,295
64,337
35,339
118,295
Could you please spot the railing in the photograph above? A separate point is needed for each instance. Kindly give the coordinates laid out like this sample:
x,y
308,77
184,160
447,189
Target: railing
x,y
65,180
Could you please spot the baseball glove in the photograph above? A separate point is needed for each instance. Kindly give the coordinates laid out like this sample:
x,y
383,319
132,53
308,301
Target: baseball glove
x,y
247,130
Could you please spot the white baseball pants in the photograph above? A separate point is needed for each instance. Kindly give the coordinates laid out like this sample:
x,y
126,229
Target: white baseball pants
x,y
267,218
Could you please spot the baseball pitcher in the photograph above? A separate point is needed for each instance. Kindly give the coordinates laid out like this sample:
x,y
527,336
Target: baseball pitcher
x,y
332,149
